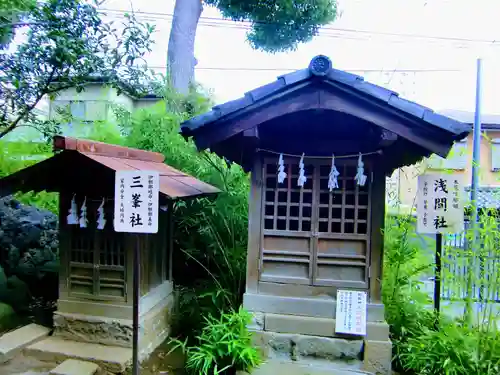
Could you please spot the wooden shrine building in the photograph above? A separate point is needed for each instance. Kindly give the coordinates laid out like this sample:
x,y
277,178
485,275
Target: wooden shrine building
x,y
307,240
95,289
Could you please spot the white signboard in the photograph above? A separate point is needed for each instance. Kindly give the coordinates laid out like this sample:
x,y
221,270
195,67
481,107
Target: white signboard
x,y
440,205
351,312
136,201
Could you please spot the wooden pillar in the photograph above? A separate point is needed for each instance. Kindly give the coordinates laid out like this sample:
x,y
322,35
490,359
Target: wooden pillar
x,y
170,239
64,245
377,227
254,227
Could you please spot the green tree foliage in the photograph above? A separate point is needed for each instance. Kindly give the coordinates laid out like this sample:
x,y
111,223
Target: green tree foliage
x,y
18,155
276,26
11,12
66,45
210,241
211,234
281,25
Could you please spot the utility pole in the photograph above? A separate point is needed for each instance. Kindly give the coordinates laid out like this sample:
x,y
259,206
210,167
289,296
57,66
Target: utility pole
x,y
474,219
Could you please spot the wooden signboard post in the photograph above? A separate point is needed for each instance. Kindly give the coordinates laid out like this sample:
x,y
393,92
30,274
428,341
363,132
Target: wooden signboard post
x,y
136,211
440,209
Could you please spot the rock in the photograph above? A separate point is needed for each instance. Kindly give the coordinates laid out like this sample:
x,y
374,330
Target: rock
x,y
7,316
329,348
16,293
28,243
3,276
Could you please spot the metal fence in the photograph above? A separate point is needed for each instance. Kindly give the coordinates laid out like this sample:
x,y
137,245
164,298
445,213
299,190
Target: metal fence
x,y
459,255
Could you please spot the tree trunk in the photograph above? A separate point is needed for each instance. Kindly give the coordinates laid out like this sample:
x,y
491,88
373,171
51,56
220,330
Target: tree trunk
x,y
181,60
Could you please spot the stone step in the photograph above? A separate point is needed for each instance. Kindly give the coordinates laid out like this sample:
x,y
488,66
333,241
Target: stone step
x,y
54,349
14,341
75,367
274,367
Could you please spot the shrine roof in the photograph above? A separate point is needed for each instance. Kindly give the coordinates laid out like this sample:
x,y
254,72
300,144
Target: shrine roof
x,y
71,162
320,70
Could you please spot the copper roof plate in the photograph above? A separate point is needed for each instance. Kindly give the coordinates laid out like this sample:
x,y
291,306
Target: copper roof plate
x,y
174,184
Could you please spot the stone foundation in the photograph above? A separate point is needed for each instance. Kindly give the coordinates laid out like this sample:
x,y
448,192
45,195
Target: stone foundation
x,y
286,331
376,355
93,329
154,325
153,330
303,347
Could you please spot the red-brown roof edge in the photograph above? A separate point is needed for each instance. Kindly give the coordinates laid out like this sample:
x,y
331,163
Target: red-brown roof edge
x,y
105,149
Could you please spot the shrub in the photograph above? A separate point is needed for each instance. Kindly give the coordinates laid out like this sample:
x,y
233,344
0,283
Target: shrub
x,y
223,347
452,350
211,234
403,263
210,241
21,154
422,344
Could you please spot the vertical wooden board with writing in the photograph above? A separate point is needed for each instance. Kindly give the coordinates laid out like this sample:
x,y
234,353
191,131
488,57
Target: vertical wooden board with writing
x,y
440,204
136,201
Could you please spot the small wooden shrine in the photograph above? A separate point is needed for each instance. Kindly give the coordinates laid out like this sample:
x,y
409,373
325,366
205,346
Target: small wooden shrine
x,y
319,143
96,269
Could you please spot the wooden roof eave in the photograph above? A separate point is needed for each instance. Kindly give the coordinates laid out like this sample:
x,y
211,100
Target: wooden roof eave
x,y
375,112
419,119
49,175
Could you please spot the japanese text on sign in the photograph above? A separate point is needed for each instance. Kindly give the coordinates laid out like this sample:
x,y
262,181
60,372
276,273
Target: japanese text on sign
x,y
351,312
136,201
440,206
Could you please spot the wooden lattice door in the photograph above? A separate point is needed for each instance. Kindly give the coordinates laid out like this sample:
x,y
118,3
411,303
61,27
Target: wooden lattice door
x,y
311,235
97,264
286,251
343,230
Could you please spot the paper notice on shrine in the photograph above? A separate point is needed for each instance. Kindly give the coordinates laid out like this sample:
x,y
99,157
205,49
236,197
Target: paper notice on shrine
x,y
440,203
350,317
136,201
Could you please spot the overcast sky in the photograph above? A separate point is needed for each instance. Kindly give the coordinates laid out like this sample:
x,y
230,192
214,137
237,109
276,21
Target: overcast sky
x,y
441,42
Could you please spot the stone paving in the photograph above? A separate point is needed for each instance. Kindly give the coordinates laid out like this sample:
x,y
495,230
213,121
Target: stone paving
x,y
22,365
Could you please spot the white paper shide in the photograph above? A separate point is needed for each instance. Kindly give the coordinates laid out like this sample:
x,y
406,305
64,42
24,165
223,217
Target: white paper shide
x,y
440,204
351,312
136,201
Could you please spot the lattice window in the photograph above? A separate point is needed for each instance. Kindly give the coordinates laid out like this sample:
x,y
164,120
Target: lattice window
x,y
288,206
112,280
97,264
81,266
311,235
344,210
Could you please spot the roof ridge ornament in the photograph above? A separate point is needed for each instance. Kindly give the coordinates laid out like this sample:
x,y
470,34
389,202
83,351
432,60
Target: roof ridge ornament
x,y
320,65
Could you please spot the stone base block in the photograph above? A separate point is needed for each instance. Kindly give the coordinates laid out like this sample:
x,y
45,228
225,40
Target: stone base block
x,y
308,340
306,325
315,307
93,329
74,367
56,350
13,342
155,327
300,347
153,330
275,367
378,357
